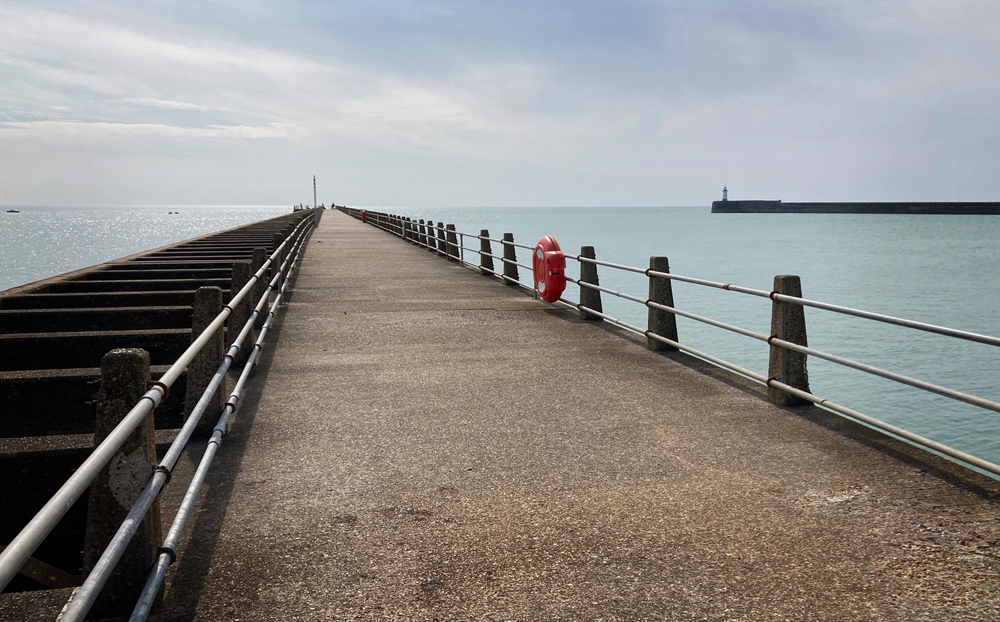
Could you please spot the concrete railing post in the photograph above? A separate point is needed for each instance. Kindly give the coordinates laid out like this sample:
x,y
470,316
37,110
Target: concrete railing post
x,y
590,298
510,256
276,241
241,312
431,237
422,235
485,253
124,379
662,323
207,305
259,257
452,243
442,244
788,322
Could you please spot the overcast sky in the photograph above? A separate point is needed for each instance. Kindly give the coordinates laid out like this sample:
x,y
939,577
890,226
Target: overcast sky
x,y
498,103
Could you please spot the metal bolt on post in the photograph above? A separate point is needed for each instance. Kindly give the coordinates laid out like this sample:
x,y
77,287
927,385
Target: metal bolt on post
x,y
510,256
485,253
660,322
788,322
207,305
124,379
590,298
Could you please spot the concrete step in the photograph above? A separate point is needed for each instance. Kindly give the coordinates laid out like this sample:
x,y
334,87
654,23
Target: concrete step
x,y
60,401
32,478
179,264
133,285
17,321
169,298
31,351
159,274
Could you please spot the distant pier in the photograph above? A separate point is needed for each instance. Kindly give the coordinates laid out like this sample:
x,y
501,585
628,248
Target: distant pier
x,y
780,207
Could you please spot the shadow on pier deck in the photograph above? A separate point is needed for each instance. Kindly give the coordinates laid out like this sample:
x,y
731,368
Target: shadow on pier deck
x,y
428,444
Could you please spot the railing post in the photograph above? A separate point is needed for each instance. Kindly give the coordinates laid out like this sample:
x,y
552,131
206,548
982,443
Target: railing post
x,y
241,312
422,235
510,256
207,305
788,322
259,257
485,253
452,243
124,379
590,298
442,244
660,322
431,237
276,241
409,230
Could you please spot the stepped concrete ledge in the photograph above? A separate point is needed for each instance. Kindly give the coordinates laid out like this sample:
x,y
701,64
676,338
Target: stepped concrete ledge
x,y
423,443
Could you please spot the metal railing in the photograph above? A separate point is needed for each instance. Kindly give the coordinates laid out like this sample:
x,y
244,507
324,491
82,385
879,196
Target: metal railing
x,y
31,536
421,234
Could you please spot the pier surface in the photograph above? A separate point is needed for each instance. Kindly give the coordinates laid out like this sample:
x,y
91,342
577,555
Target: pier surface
x,y
424,443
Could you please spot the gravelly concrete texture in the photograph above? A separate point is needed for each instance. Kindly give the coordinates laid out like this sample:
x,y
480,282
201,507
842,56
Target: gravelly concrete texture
x,y
426,444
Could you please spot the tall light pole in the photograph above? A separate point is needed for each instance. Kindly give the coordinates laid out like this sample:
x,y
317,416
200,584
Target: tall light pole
x,y
314,192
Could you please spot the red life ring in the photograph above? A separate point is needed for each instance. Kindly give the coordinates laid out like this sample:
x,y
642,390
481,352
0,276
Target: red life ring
x,y
364,215
549,267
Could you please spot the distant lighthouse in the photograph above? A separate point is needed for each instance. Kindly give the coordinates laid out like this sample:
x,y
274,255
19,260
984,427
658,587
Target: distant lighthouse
x,y
725,193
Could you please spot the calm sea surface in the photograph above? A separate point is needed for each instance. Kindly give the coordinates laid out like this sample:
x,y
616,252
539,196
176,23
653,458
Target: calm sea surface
x,y
936,269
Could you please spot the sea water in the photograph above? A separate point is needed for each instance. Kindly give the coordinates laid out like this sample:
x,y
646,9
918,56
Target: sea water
x,y
935,269
39,242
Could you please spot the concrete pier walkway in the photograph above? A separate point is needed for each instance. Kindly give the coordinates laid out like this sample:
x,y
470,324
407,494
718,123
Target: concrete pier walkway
x,y
424,443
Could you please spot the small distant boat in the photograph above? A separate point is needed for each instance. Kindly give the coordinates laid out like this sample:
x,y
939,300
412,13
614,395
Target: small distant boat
x,y
13,211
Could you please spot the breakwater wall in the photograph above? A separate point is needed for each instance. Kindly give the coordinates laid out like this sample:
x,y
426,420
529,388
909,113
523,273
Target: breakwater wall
x,y
54,334
780,207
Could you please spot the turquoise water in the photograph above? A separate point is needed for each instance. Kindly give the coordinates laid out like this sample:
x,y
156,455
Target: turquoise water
x,y
935,269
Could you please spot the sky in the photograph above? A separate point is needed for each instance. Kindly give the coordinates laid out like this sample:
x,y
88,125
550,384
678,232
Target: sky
x,y
516,103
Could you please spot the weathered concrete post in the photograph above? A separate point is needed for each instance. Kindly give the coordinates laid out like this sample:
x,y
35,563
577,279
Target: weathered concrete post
x,y
431,237
510,256
207,305
662,323
407,230
422,235
590,298
442,244
788,322
277,240
452,243
124,379
259,257
241,312
412,230
485,253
